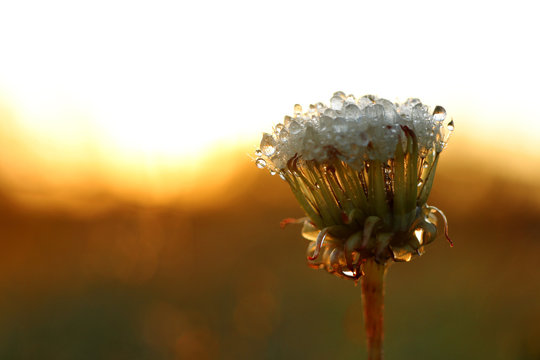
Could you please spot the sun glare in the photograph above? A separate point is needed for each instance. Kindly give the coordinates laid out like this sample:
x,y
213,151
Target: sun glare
x,y
121,86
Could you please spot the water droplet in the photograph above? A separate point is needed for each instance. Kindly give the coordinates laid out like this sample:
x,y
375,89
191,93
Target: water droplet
x,y
340,125
374,112
450,125
349,273
419,233
425,165
297,109
412,102
406,257
350,99
439,113
261,164
268,144
283,136
281,175
386,104
401,255
420,182
258,152
272,172
365,101
278,128
325,123
336,102
286,120
420,114
351,111
330,113
340,94
294,127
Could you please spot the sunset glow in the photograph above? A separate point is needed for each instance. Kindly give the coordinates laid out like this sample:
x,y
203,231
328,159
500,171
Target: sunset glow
x,y
148,91
139,218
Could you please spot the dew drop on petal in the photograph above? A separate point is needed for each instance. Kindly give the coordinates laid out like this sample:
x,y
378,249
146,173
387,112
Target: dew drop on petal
x,y
297,109
365,101
261,164
330,113
286,120
294,127
340,125
351,111
439,113
281,175
386,104
283,136
272,172
325,123
350,99
374,112
336,102
258,152
412,102
268,144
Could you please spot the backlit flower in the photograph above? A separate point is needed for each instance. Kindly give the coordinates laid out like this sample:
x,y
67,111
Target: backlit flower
x,y
362,170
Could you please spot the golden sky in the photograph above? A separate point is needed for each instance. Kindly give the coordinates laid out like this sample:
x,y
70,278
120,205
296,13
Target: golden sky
x,y
155,98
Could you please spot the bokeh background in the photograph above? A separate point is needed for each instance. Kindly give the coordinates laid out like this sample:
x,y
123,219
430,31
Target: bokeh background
x,y
134,224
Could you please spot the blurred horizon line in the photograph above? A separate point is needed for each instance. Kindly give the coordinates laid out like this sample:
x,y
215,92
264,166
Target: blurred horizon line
x,y
218,179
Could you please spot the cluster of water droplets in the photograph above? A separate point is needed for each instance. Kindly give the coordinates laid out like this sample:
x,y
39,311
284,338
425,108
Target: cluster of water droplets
x,y
357,129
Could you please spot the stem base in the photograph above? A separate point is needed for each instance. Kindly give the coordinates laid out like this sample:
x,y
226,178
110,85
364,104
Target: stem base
x,y
373,303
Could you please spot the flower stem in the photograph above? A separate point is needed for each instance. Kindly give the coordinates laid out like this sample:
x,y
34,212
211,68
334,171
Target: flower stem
x,y
373,302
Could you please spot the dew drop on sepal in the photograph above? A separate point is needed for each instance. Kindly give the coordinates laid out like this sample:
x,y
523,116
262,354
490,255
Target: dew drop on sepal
x,y
450,125
261,163
439,114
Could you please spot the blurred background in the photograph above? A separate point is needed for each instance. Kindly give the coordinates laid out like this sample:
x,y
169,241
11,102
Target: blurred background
x,y
134,224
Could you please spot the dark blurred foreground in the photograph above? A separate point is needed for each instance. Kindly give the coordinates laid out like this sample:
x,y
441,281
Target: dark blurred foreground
x,y
226,282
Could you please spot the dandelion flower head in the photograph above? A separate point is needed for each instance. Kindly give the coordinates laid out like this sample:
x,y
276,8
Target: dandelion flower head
x,y
362,170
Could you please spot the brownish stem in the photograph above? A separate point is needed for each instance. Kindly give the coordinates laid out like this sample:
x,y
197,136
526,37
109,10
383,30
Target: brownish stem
x,y
373,301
